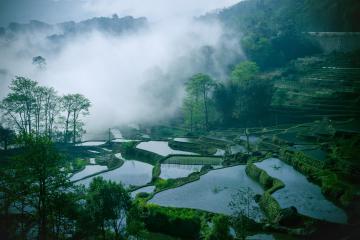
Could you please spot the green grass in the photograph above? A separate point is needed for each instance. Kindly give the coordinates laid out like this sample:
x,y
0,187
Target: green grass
x,y
194,160
79,164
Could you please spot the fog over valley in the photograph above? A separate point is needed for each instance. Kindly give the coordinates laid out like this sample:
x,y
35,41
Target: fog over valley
x,y
179,119
132,69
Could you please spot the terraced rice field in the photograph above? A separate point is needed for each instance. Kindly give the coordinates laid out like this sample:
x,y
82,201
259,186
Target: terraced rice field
x,y
89,170
130,173
91,144
173,171
301,193
161,148
194,160
213,192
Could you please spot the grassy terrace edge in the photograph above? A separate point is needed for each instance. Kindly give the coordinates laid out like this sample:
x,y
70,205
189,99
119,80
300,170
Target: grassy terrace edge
x,y
267,203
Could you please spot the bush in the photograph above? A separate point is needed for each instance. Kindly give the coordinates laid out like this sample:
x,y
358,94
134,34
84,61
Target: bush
x,y
156,171
267,203
265,180
79,164
181,223
220,229
142,195
270,206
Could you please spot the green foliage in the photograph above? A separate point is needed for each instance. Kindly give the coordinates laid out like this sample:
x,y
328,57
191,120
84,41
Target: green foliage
x,y
343,155
31,108
260,50
164,183
267,203
269,183
107,204
142,195
79,164
224,102
130,151
127,147
193,146
193,160
136,227
331,185
110,161
253,100
36,180
246,98
19,103
74,106
183,223
156,171
160,132
270,206
244,72
220,229
265,180
273,31
196,103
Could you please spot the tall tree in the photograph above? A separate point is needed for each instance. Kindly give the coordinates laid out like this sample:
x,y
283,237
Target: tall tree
x,y
39,61
74,105
67,103
18,105
39,99
224,100
107,205
81,106
199,86
253,95
36,179
52,109
189,111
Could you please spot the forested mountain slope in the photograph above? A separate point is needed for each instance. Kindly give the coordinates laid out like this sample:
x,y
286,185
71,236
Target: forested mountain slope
x,y
307,15
108,25
309,82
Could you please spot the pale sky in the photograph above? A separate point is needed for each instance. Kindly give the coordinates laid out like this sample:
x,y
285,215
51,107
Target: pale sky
x,y
54,11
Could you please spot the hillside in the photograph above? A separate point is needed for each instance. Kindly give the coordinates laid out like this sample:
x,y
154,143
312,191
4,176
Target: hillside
x,y
307,15
56,32
295,43
317,87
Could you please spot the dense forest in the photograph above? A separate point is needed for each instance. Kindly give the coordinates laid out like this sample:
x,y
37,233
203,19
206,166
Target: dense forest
x,y
263,144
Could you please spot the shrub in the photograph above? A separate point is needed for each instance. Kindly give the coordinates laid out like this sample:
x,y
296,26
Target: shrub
x,y
181,223
270,206
142,195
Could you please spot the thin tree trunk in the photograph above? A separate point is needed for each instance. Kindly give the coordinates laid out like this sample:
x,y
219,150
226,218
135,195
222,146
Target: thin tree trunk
x,y
43,223
191,119
29,117
74,127
206,110
67,127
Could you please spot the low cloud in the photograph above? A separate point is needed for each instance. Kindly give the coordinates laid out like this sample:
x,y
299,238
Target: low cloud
x,y
132,78
155,9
